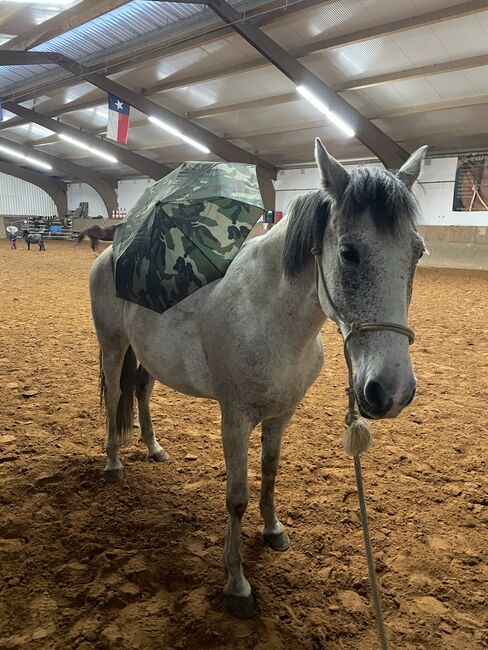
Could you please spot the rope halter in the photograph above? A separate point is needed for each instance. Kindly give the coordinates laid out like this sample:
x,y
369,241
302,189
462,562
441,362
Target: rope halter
x,y
358,435
358,438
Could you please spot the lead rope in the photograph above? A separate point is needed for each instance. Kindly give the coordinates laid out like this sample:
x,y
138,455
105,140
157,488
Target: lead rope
x,y
358,438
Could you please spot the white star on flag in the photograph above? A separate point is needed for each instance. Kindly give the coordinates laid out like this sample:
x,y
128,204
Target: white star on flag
x,y
119,104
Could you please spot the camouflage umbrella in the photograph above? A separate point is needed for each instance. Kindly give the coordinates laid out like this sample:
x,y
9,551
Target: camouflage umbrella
x,y
184,232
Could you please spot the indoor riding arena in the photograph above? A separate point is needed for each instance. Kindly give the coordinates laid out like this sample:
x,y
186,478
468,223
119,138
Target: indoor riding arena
x,y
277,211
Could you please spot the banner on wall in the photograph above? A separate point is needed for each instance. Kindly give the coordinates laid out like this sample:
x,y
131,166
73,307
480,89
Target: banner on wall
x,y
471,184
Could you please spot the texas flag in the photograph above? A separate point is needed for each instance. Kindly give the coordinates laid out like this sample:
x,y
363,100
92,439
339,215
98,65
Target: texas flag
x,y
118,119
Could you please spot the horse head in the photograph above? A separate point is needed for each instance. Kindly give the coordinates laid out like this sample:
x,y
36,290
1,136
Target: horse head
x,y
369,252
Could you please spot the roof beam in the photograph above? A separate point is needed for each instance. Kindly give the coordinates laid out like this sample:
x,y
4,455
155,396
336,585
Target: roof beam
x,y
55,189
395,26
388,151
104,187
385,29
155,46
240,106
149,167
446,105
218,73
70,107
63,22
217,145
414,73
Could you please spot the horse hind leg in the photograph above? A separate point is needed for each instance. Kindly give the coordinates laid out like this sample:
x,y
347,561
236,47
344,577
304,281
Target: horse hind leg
x,y
118,370
94,245
274,532
239,599
144,388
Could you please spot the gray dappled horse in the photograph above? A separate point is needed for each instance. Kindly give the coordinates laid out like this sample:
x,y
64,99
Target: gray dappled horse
x,y
251,340
33,238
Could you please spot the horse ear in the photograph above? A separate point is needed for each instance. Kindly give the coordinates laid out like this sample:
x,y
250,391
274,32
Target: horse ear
x,y
333,175
410,171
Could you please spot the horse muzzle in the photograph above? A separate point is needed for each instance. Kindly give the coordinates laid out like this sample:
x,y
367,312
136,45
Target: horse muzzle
x,y
376,400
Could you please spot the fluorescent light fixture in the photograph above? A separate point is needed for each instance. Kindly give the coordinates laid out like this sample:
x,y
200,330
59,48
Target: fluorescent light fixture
x,y
82,145
178,134
27,159
345,128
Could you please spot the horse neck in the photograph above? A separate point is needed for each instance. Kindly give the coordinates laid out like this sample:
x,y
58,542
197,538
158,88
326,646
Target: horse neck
x,y
302,316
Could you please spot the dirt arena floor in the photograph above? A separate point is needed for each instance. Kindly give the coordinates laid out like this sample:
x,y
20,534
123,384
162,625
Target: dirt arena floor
x,y
87,565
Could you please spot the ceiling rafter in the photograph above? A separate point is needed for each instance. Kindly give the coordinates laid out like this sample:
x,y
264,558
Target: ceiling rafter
x,y
462,102
102,185
414,73
448,13
149,167
63,22
218,146
56,189
150,47
384,29
368,133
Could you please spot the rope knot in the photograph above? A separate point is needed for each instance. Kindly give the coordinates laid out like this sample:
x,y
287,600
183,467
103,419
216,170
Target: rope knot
x,y
351,416
316,250
357,438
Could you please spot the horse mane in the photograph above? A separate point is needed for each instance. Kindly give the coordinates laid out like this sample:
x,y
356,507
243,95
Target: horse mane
x,y
389,201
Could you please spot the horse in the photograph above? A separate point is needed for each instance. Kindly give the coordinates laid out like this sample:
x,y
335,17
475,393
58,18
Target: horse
x,y
33,238
255,346
96,234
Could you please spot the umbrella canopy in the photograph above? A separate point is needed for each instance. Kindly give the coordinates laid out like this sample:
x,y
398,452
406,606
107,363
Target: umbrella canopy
x,y
12,229
184,232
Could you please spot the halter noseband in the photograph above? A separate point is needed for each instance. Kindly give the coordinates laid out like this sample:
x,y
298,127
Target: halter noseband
x,y
353,327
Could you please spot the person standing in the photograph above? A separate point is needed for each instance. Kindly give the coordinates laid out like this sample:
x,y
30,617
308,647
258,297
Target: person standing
x,y
12,236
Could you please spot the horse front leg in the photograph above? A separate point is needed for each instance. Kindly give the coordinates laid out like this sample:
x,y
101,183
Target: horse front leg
x,y
239,600
274,532
144,388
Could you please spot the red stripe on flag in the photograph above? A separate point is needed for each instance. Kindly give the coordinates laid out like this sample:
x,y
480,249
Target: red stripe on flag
x,y
123,128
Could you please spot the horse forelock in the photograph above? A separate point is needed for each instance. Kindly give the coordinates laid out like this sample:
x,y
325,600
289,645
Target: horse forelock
x,y
390,203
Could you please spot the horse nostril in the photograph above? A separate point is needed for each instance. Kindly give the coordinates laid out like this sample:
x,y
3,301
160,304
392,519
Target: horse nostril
x,y
372,392
377,398
410,399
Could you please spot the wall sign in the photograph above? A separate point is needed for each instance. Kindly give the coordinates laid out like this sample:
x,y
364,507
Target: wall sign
x,y
471,184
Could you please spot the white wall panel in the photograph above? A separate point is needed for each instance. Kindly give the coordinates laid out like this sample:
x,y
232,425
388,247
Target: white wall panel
x,y
127,193
78,192
130,191
18,197
434,193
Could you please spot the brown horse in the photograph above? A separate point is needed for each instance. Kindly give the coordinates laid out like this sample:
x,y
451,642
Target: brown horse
x,y
96,234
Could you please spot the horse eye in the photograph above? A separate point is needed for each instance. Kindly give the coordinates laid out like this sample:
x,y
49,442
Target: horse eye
x,y
349,254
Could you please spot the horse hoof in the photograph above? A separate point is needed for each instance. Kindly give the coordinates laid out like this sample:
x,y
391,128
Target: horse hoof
x,y
114,475
159,457
241,606
277,541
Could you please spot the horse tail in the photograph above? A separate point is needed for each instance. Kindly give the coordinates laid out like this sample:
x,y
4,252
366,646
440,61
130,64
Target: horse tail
x,y
81,237
125,408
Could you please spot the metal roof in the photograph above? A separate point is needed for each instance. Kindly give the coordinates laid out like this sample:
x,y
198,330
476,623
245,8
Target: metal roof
x,y
420,83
